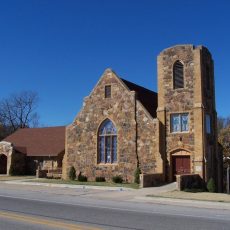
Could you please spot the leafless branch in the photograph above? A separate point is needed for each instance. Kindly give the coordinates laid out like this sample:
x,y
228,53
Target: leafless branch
x,y
18,110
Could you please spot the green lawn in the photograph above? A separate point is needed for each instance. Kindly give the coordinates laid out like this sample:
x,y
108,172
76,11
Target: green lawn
x,y
201,196
7,178
91,183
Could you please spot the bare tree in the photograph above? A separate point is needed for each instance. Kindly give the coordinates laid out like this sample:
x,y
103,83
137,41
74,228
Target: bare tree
x,y
224,140
18,111
222,123
224,137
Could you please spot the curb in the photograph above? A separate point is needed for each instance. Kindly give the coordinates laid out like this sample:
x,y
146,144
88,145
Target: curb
x,y
185,202
69,186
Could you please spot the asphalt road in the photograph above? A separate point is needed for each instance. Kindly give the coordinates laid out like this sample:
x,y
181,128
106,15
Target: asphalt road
x,y
49,208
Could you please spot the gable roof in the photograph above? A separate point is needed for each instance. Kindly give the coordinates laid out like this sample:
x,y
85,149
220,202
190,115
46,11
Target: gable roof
x,y
48,141
147,97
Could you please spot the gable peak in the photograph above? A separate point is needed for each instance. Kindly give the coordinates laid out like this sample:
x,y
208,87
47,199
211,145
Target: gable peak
x,y
109,71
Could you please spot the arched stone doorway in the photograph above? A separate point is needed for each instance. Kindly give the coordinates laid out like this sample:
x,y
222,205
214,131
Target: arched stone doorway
x,y
181,163
3,164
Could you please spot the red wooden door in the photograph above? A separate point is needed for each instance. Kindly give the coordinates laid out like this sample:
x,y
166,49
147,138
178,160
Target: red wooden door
x,y
181,165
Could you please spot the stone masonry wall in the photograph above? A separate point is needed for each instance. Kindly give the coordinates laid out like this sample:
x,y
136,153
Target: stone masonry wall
x,y
197,98
81,136
177,100
208,94
6,148
148,142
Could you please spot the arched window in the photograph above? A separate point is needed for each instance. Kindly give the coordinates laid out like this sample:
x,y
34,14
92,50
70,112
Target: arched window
x,y
107,142
178,75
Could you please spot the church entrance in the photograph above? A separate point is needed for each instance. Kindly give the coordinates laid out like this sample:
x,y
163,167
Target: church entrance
x,y
180,165
3,164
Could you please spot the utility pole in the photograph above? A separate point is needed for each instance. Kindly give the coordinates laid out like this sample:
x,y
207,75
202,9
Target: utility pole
x,y
228,179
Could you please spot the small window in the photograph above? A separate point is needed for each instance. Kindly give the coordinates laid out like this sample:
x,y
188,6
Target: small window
x,y
108,91
208,123
178,75
179,122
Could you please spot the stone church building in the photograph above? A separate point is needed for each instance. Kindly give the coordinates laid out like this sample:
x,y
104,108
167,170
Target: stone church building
x,y
122,126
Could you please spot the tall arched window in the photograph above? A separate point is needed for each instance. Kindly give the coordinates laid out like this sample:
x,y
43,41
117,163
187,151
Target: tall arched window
x,y
107,142
178,75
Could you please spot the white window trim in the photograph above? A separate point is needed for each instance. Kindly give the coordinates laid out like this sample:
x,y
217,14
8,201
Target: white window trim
x,y
180,115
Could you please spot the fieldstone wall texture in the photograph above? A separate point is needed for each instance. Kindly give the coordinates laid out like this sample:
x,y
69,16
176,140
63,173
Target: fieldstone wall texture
x,y
7,150
178,100
212,154
197,98
132,146
148,142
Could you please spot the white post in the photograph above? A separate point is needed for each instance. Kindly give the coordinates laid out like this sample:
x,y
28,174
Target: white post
x,y
228,179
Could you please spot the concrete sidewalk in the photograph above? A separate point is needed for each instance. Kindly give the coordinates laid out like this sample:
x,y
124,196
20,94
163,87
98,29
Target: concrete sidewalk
x,y
142,191
119,194
25,182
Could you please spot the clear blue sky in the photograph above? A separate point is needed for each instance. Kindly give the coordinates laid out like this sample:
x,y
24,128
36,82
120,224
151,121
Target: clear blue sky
x,y
61,48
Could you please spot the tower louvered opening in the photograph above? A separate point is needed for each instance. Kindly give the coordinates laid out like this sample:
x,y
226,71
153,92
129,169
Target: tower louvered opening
x,y
178,75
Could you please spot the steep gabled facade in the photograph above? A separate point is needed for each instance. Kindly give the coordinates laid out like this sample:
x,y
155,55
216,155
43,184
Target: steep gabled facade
x,y
134,140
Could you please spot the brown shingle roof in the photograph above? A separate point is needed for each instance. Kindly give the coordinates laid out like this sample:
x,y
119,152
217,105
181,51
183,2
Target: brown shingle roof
x,y
147,97
39,141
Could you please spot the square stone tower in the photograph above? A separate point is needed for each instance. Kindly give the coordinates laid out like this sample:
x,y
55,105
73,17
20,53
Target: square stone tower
x,y
187,112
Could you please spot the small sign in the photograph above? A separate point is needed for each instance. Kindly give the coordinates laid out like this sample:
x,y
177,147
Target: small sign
x,y
198,168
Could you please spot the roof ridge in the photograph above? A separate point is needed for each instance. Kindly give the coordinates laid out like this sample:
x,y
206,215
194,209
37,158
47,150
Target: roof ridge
x,y
147,97
124,80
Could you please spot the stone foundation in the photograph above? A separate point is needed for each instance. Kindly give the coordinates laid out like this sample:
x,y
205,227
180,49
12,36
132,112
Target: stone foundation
x,y
151,180
190,181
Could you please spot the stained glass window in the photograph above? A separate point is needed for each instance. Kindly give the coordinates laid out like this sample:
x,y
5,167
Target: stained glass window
x,y
108,149
184,122
175,123
114,149
107,137
102,149
179,122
